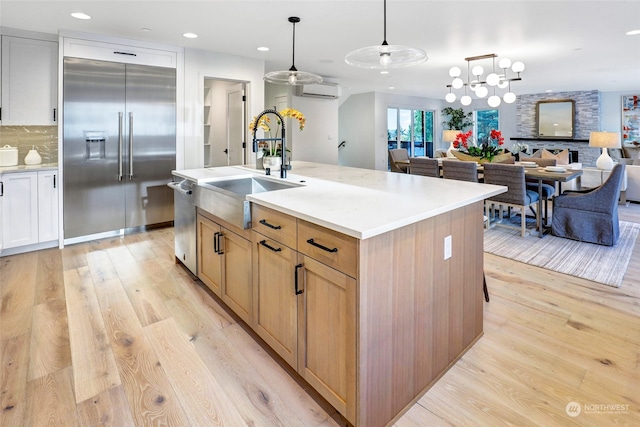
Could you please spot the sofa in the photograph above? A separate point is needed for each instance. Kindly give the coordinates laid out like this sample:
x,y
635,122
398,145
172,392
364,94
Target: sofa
x,y
630,155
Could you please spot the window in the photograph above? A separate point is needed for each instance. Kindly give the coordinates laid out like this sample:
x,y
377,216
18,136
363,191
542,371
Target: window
x,y
411,130
484,121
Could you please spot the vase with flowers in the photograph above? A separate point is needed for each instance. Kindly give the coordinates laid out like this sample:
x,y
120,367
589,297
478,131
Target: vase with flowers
x,y
271,144
488,151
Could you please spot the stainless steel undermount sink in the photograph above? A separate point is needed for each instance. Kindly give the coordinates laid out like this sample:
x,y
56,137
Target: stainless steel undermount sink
x,y
227,199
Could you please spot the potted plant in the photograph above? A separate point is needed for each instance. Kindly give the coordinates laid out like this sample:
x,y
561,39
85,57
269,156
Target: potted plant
x,y
458,119
272,145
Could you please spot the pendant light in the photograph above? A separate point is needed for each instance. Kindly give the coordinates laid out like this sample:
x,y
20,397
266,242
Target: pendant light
x,y
292,76
386,55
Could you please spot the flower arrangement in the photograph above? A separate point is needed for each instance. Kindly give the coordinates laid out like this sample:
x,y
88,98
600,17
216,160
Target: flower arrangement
x,y
487,150
520,147
272,147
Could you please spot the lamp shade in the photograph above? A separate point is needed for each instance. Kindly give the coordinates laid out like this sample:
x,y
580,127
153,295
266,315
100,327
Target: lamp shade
x,y
604,139
449,135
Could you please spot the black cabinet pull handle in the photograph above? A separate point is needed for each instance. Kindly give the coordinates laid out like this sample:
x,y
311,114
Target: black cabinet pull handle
x,y
54,114
297,291
264,243
264,222
1,188
54,181
220,251
324,248
215,242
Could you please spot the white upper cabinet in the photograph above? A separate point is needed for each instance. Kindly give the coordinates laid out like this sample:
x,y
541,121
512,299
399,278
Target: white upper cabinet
x,y
29,81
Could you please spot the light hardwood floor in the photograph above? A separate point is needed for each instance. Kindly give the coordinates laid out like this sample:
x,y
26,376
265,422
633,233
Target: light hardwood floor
x,y
113,332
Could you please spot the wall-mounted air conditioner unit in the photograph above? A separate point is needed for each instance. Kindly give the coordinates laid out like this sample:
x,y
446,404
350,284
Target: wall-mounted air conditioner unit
x,y
321,90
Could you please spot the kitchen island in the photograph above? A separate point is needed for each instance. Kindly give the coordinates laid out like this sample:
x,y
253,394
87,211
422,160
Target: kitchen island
x,y
368,283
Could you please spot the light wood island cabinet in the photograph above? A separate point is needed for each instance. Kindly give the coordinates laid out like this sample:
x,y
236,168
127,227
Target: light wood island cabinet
x,y
224,262
369,323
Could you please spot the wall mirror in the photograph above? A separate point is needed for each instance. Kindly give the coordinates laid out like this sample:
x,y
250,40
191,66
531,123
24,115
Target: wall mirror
x,y
555,118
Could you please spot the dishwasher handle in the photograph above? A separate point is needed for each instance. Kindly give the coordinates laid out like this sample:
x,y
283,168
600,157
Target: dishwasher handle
x,y
177,187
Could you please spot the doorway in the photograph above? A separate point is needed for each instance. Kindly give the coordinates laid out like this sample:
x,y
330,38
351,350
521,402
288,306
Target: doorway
x,y
225,122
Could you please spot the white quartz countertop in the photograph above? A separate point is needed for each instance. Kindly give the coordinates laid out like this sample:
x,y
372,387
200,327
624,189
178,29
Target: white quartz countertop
x,y
361,203
29,168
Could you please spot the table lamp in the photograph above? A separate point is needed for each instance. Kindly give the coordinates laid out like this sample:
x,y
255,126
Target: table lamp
x,y
450,136
604,140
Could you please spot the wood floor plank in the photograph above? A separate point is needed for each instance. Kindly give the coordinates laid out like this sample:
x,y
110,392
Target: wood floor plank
x,y
145,384
200,394
308,409
418,416
49,279
51,401
242,382
108,409
100,266
17,294
146,301
14,362
50,350
94,366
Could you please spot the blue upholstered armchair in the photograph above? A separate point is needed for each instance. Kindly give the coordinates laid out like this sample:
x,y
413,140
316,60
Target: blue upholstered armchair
x,y
590,216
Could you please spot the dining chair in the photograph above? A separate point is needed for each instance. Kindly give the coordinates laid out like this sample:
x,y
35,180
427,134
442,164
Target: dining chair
x,y
460,170
548,188
424,166
517,195
590,215
396,155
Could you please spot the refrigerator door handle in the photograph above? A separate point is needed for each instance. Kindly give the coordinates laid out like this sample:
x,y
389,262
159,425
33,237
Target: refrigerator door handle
x,y
130,146
120,146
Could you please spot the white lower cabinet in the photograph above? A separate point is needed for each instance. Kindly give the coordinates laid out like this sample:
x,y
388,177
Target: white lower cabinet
x,y
29,208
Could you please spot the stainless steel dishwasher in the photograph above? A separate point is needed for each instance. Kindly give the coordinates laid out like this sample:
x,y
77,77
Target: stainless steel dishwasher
x,y
185,223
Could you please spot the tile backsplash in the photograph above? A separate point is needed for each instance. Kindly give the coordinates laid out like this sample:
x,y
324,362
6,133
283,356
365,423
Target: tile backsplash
x,y
45,138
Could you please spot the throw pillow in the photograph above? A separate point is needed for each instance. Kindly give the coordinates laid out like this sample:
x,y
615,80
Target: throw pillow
x,y
562,158
631,152
535,155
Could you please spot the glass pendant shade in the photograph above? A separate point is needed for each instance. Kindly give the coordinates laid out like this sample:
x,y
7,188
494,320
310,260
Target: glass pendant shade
x,y
517,67
493,101
386,55
450,97
457,83
509,97
482,91
292,76
477,70
503,83
455,72
493,79
465,100
474,85
504,63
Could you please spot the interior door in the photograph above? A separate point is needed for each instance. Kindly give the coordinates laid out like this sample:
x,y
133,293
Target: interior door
x,y
94,99
235,124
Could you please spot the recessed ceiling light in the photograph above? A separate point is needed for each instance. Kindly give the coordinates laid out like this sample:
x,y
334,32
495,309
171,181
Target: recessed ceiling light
x,y
263,49
633,32
80,15
549,90
391,87
146,30
384,72
190,35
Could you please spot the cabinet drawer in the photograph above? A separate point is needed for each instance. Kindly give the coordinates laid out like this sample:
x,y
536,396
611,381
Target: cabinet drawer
x,y
334,249
273,224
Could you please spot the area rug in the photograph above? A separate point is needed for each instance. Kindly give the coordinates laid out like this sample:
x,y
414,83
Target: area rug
x,y
602,264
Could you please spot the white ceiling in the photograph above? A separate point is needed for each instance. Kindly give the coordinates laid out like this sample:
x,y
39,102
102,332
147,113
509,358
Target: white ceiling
x,y
565,45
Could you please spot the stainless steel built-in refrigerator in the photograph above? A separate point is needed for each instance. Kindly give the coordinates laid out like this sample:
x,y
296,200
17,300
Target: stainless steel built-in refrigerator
x,y
119,146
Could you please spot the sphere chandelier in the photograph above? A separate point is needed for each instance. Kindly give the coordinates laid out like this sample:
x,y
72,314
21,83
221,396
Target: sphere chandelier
x,y
479,84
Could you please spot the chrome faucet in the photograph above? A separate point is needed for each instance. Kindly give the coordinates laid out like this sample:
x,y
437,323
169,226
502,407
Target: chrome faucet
x,y
284,167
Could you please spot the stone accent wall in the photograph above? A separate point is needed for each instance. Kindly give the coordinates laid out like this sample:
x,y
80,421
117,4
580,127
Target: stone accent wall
x,y
45,138
587,119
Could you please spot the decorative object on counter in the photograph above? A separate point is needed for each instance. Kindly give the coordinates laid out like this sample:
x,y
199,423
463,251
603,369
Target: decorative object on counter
x,y
450,136
488,151
502,80
8,156
520,147
274,145
604,140
292,76
33,157
385,56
